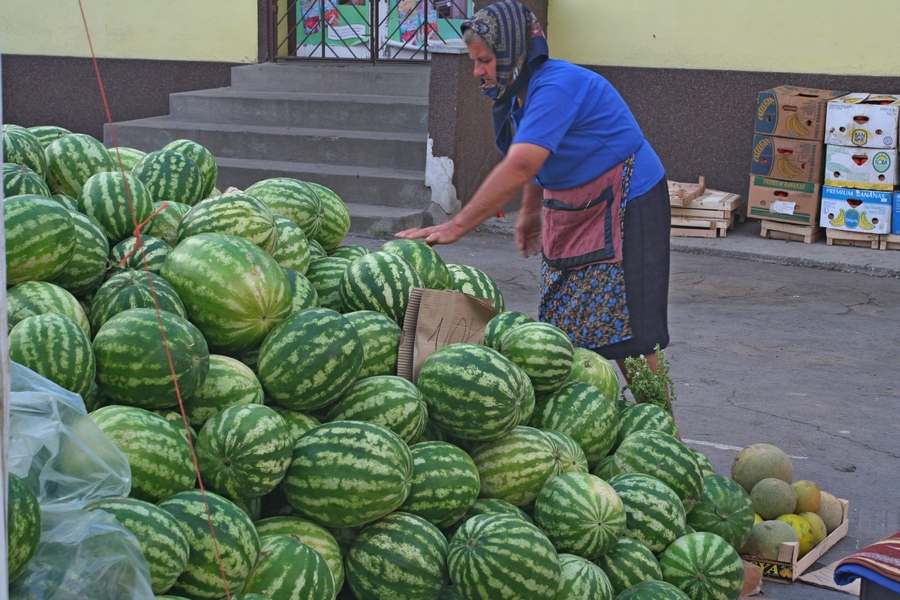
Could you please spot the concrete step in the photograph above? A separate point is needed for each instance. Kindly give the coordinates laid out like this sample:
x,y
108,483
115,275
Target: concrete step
x,y
332,77
364,112
337,147
382,221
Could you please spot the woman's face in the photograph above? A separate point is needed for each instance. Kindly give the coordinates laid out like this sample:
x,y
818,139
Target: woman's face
x,y
485,64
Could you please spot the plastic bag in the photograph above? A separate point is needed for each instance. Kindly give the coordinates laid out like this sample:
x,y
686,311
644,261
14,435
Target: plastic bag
x,y
57,448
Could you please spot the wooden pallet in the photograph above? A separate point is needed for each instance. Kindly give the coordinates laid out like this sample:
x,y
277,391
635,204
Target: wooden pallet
x,y
710,214
889,242
838,237
775,230
681,194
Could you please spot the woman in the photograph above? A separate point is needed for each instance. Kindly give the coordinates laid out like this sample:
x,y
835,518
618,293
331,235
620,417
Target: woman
x,y
594,194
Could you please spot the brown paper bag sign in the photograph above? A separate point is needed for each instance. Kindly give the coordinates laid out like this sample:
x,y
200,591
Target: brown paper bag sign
x,y
438,318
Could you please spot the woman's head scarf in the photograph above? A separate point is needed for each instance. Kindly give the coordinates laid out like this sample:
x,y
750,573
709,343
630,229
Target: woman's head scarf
x,y
512,32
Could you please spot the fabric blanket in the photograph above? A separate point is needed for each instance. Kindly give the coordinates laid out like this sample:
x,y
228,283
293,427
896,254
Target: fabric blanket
x,y
879,563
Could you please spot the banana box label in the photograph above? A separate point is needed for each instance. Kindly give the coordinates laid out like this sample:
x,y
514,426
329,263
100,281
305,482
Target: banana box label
x,y
787,159
862,168
862,211
863,121
791,111
791,202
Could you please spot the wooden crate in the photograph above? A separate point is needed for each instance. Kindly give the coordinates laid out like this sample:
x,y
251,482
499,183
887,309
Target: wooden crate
x,y
838,237
710,214
776,230
890,242
681,194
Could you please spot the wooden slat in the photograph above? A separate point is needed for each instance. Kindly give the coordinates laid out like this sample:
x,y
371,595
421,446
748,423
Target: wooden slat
x,y
851,238
775,230
704,223
682,193
700,213
890,242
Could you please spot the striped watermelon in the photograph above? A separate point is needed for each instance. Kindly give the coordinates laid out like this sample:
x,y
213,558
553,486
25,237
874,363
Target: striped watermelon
x,y
516,466
644,416
22,146
445,483
232,554
72,160
165,220
157,450
303,294
159,535
170,175
381,341
23,526
379,281
474,281
132,362
581,514
292,250
288,568
501,324
87,267
653,590
132,289
46,134
349,251
706,467
498,556
664,457
310,359
40,238
228,383
387,400
19,179
605,468
125,158
244,451
293,199
582,412
580,579
325,276
628,563
335,217
118,203
543,351
426,262
67,202
298,422
450,593
473,392
234,292
704,566
492,506
315,536
129,255
31,298
590,367
347,473
234,213
725,509
400,556
569,456
316,250
203,158
55,346
654,513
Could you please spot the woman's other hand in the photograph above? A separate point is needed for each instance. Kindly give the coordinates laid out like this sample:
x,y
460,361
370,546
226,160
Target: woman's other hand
x,y
528,233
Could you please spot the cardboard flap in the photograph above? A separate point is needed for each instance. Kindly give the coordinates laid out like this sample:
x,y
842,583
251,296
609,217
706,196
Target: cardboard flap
x,y
438,318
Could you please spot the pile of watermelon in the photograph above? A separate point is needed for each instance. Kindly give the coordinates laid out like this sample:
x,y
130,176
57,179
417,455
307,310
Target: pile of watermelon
x,y
507,470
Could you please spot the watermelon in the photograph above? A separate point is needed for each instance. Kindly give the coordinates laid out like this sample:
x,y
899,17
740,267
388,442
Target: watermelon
x,y
244,451
230,555
605,468
515,467
335,217
474,281
164,222
133,362
47,134
40,238
568,454
347,473
170,175
292,250
23,526
590,367
55,346
203,158
293,199
498,556
400,556
705,466
644,416
388,400
19,179
298,422
315,536
303,294
288,568
147,254
654,513
132,289
501,324
72,160
31,298
628,563
234,213
125,158
204,266
379,281
426,262
316,250
159,535
349,251
580,579
543,351
119,203
87,267
653,590
68,202
704,566
228,383
724,508
325,276
491,506
23,147
382,341
445,483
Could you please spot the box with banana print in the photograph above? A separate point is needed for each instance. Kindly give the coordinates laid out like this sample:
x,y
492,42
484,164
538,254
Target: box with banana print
x,y
861,168
864,120
862,211
787,159
792,111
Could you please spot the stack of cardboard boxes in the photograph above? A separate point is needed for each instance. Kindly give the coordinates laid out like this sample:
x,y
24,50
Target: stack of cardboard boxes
x,y
787,166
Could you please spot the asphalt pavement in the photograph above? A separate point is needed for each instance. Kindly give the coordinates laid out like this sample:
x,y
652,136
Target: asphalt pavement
x,y
775,342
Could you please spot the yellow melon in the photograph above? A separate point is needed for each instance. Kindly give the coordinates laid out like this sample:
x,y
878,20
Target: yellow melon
x,y
820,532
831,511
766,538
773,497
808,496
757,519
803,530
759,461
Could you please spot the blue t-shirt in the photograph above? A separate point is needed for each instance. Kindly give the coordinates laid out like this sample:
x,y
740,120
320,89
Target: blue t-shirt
x,y
584,122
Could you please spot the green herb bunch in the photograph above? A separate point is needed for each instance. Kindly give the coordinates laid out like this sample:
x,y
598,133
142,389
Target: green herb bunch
x,y
647,386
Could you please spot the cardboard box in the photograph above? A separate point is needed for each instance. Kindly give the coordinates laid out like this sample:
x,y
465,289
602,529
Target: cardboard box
x,y
861,168
789,566
787,159
866,120
790,111
784,201
861,211
895,221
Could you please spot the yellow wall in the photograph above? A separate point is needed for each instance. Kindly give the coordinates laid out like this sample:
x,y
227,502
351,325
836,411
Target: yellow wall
x,y
836,37
199,30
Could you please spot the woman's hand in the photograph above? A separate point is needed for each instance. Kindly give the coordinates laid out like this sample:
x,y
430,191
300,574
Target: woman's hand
x,y
528,233
445,233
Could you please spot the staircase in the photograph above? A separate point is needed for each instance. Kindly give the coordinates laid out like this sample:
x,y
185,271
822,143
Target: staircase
x,y
358,129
